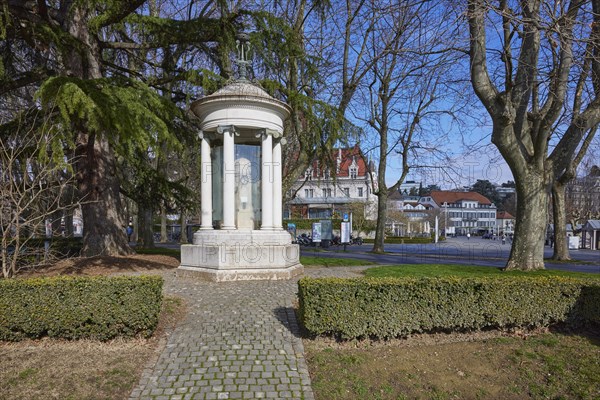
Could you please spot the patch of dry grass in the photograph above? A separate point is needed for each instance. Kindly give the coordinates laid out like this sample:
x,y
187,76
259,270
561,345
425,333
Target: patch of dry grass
x,y
57,369
538,366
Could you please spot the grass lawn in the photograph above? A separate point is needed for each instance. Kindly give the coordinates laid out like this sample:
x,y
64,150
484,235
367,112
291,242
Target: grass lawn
x,y
311,261
546,366
477,365
307,261
438,270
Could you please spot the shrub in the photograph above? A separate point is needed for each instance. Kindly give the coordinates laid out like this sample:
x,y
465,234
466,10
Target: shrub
x,y
60,246
388,307
404,240
79,307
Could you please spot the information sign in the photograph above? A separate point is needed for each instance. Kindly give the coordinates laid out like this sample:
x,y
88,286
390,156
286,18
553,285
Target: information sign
x,y
345,232
316,232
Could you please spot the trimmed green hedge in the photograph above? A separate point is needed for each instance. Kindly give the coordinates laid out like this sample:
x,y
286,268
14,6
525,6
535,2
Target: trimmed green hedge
x,y
99,308
406,240
389,307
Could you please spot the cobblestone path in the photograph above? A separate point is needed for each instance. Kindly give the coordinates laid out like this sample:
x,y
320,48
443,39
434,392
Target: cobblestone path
x,y
240,340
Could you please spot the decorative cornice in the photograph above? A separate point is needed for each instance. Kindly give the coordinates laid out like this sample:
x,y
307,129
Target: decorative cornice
x,y
209,103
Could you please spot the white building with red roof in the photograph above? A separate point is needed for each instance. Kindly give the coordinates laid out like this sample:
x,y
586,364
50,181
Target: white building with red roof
x,y
463,212
505,223
321,192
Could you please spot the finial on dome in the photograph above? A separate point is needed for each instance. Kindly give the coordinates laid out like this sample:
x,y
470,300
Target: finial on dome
x,y
242,43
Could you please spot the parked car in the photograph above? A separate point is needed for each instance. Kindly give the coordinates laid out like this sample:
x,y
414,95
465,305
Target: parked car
x,y
488,236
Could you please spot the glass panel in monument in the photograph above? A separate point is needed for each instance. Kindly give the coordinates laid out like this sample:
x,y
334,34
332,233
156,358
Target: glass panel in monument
x,y
247,191
217,186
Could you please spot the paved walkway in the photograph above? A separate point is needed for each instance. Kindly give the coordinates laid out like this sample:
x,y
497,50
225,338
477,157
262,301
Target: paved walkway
x,y
240,340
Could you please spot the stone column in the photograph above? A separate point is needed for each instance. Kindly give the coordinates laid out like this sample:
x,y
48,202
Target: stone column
x,y
277,194
228,132
206,183
266,182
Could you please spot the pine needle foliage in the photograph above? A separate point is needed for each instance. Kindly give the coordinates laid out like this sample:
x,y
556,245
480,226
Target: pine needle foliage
x,y
128,112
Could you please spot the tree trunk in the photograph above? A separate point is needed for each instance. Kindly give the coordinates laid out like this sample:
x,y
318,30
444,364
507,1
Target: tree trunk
x,y
145,229
561,245
103,227
69,223
527,251
379,244
97,181
136,226
164,237
55,222
183,238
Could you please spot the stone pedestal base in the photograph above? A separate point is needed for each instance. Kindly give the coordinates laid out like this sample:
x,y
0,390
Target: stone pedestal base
x,y
230,255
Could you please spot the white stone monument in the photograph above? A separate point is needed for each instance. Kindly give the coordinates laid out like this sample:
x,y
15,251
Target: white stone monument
x,y
242,238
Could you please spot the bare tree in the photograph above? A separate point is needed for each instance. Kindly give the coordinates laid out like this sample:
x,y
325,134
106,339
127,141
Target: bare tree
x,y
582,195
525,93
330,59
559,203
33,180
408,87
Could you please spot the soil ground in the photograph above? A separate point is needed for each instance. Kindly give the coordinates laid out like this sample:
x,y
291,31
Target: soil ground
x,y
105,266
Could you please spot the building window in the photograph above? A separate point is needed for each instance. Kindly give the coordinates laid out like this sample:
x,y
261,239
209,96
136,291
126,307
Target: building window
x,y
346,192
326,173
360,192
327,192
309,193
353,173
308,174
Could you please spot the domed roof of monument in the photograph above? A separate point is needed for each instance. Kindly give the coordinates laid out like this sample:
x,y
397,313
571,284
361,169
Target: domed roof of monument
x,y
241,88
240,91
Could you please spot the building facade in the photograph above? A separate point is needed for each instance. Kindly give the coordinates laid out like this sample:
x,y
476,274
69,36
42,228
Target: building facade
x,y
462,212
583,196
410,188
407,216
505,223
321,193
